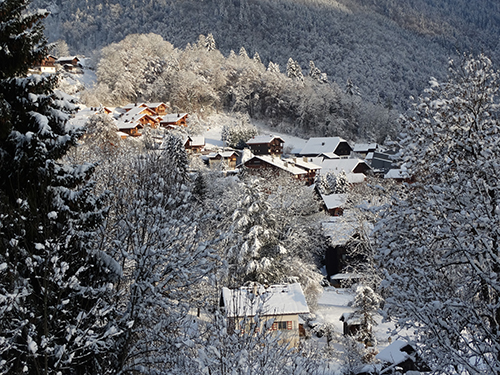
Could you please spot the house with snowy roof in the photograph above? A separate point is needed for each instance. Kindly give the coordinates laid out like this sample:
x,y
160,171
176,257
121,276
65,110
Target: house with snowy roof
x,y
173,120
277,308
334,203
364,148
266,144
307,165
319,145
229,158
160,108
402,356
136,119
275,165
46,65
381,162
69,63
355,169
195,144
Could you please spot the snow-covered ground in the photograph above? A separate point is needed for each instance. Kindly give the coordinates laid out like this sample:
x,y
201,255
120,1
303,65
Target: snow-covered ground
x,y
333,302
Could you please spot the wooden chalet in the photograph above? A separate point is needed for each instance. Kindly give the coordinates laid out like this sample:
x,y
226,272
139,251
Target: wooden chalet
x,y
69,63
266,145
326,145
307,165
334,203
68,60
130,106
194,145
46,65
135,120
229,158
280,303
133,129
275,165
159,108
174,120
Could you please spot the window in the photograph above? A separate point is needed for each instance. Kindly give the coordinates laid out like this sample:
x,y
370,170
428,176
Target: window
x,y
281,325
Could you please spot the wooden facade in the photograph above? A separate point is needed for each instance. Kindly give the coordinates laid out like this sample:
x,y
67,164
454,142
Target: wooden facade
x,y
266,145
134,131
175,119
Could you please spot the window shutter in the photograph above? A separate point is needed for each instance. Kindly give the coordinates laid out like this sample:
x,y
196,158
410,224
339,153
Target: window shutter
x,y
289,325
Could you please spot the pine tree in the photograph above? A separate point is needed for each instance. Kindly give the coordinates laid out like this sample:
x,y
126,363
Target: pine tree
x,y
316,74
293,70
243,53
54,286
210,43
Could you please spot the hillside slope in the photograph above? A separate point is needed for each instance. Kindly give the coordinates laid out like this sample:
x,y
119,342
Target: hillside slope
x,y
388,48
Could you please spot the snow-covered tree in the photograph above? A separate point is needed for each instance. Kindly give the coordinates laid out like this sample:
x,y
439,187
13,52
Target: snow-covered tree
x,y
256,58
316,74
222,350
60,48
101,132
366,304
439,240
332,183
273,68
54,285
293,70
237,133
243,53
154,231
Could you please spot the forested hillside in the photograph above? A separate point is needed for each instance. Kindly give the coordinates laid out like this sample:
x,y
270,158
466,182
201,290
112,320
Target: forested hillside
x,y
389,49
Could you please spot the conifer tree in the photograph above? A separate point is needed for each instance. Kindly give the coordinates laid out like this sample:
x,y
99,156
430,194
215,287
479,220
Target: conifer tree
x,y
53,285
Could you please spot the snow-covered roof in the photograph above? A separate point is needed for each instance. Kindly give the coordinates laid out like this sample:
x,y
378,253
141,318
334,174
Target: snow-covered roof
x,y
305,164
282,164
334,200
173,117
329,155
67,58
122,134
224,154
393,354
355,178
154,105
340,231
198,141
397,174
265,138
274,300
135,111
338,165
345,276
320,145
350,318
128,124
364,147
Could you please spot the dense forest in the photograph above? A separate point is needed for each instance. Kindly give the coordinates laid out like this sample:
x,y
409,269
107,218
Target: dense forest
x,y
200,80
388,49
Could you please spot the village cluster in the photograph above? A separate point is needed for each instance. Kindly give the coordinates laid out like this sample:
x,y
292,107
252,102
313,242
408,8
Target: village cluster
x,y
320,155
279,307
